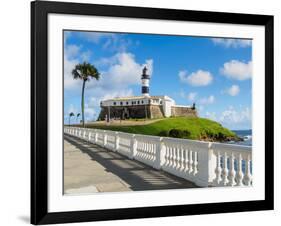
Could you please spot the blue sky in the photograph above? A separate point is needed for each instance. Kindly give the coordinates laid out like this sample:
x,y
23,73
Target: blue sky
x,y
215,73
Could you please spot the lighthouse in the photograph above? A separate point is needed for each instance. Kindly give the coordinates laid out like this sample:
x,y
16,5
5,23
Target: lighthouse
x,y
145,82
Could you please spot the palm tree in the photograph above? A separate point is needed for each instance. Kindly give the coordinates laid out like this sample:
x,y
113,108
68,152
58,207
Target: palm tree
x,y
70,115
77,116
85,72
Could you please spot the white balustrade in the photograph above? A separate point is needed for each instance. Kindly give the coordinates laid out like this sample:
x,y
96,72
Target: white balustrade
x,y
124,146
204,163
236,161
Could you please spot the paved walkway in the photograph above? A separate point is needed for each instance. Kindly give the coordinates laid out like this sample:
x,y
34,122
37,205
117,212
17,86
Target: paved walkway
x,y
89,168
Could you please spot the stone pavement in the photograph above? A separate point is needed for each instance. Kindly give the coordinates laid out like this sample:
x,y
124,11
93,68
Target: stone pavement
x,y
89,168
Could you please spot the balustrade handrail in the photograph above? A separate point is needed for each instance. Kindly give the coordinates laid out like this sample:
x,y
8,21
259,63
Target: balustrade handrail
x,y
204,163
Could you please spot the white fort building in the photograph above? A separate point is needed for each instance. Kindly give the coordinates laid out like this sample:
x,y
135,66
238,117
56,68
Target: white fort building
x,y
144,106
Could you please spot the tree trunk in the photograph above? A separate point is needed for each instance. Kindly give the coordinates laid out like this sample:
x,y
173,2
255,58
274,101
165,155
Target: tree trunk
x,y
82,103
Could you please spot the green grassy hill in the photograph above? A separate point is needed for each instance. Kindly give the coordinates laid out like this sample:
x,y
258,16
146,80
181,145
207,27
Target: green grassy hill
x,y
180,127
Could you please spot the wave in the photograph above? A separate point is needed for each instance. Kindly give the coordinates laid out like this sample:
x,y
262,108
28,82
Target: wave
x,y
247,137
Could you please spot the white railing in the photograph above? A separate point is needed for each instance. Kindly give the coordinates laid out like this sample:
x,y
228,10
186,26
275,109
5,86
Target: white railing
x,y
204,163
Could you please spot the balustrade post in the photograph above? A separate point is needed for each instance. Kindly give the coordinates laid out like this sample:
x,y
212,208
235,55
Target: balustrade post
x,y
160,154
104,138
89,136
225,180
96,137
133,147
117,139
248,176
239,174
231,174
206,166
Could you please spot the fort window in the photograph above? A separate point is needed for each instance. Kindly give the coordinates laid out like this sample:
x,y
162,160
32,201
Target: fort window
x,y
138,102
121,103
127,103
114,103
142,101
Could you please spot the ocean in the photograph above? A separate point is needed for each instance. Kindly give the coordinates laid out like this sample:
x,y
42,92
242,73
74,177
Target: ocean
x,y
246,135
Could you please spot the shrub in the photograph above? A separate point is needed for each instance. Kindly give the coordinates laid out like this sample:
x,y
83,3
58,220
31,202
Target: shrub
x,y
164,133
220,136
178,133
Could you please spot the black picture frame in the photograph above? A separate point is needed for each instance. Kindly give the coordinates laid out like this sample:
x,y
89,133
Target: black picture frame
x,y
39,112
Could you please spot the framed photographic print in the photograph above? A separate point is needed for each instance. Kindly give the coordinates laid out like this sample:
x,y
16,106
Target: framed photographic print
x,y
144,112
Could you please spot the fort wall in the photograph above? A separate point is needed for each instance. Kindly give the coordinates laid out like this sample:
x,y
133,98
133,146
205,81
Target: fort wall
x,y
144,111
183,111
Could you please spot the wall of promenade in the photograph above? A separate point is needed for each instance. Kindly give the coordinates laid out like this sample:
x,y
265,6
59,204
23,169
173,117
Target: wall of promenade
x,y
204,163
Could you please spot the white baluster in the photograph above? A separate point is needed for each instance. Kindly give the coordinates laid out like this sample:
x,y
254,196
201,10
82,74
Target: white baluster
x,y
154,150
239,174
190,162
231,174
146,151
225,171
186,168
104,138
177,158
143,150
195,164
170,156
182,159
218,169
166,155
96,137
149,151
89,136
174,157
248,176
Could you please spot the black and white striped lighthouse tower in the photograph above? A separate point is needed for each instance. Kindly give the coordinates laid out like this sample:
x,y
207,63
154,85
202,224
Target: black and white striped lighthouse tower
x,y
145,82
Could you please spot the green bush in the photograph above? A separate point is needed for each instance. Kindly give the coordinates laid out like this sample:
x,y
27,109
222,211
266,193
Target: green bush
x,y
164,133
178,133
220,136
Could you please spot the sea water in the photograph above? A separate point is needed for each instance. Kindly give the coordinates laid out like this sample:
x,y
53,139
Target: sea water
x,y
246,135
247,141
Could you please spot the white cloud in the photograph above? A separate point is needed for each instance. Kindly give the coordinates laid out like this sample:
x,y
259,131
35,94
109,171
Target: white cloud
x,y
238,70
230,42
233,90
198,78
72,109
211,115
191,96
69,82
96,37
236,118
126,71
114,81
85,56
108,41
71,51
232,118
207,100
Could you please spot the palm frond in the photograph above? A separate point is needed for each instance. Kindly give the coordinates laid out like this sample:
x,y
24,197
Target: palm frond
x,y
85,71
